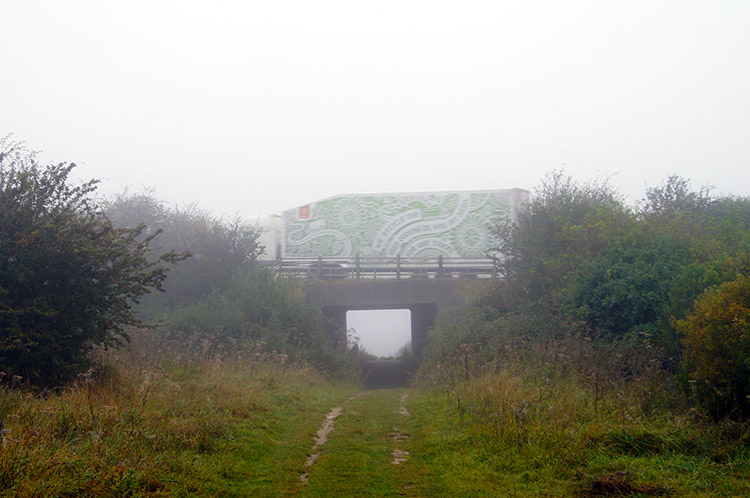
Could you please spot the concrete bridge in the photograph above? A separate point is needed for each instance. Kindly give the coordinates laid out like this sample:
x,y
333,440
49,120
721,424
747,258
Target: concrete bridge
x,y
426,299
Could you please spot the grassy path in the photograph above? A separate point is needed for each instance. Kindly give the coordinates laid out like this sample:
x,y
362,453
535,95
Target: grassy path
x,y
224,431
358,458
379,449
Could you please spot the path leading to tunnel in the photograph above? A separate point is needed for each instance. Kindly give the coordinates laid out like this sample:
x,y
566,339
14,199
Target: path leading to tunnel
x,y
364,449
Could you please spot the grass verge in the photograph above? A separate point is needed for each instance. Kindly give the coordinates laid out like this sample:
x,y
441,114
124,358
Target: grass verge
x,y
503,435
176,428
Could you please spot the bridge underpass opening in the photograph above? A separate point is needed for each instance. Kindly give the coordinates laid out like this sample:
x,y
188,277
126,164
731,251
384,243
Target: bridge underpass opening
x,y
413,320
424,298
384,333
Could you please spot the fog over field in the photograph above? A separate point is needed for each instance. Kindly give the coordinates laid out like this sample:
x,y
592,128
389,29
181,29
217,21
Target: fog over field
x,y
256,107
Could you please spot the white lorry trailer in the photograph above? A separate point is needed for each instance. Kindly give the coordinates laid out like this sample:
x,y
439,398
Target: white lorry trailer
x,y
455,224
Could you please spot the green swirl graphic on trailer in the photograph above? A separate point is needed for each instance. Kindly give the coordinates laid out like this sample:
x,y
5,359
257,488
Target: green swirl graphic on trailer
x,y
430,224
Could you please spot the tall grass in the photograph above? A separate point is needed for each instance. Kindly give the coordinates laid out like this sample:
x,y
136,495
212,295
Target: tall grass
x,y
566,410
142,422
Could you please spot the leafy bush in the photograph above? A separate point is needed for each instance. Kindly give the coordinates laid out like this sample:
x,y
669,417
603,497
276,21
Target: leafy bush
x,y
256,310
626,288
717,349
68,279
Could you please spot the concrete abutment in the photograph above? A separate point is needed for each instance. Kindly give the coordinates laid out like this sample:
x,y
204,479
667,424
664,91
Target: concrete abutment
x,y
425,299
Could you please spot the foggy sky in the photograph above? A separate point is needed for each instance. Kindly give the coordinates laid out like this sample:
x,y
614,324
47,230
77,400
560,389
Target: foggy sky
x,y
255,107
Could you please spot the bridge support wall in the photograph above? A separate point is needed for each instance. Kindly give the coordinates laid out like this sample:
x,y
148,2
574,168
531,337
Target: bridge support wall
x,y
426,299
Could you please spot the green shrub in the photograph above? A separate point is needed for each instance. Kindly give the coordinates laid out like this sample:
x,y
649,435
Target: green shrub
x,y
716,336
626,288
257,311
68,278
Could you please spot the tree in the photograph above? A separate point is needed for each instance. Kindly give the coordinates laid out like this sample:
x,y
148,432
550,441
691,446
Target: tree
x,y
68,278
218,293
218,249
562,226
674,198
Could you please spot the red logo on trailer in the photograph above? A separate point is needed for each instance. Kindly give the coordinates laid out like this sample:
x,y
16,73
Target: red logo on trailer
x,y
304,212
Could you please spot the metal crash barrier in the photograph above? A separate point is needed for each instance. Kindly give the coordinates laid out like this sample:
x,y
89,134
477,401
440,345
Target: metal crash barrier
x,y
387,268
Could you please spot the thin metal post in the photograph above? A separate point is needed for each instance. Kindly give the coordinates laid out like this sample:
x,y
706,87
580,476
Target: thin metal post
x,y
494,267
441,274
398,267
320,267
356,262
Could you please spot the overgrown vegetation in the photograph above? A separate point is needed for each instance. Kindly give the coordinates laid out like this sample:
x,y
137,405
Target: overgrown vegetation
x,y
163,417
511,432
68,279
219,293
579,264
76,272
612,360
219,249
717,348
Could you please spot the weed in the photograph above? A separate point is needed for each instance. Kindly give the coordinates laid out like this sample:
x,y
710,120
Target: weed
x,y
565,417
163,424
